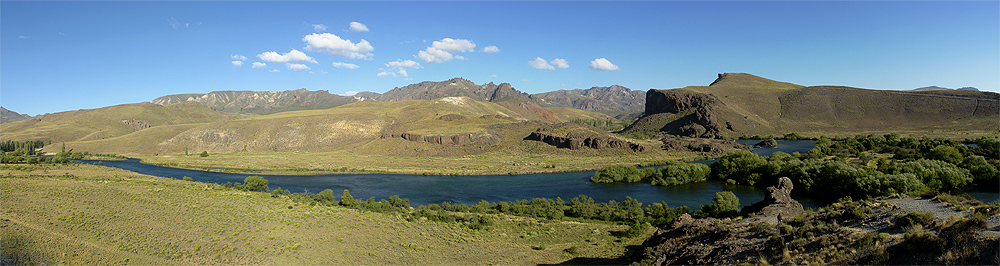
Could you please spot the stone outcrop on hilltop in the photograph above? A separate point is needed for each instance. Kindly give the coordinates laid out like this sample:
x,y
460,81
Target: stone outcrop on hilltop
x,y
261,102
579,139
429,90
701,113
777,202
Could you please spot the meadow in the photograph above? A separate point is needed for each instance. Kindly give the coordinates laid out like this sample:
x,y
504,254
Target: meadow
x,y
87,214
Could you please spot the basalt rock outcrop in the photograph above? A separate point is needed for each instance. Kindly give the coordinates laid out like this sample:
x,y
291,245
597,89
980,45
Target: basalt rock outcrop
x,y
136,124
579,139
479,138
777,202
699,113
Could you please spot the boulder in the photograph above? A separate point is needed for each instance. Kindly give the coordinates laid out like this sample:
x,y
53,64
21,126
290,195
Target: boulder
x,y
777,202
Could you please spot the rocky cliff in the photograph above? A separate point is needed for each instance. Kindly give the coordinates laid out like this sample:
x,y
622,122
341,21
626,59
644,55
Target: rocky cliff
x,y
579,139
611,100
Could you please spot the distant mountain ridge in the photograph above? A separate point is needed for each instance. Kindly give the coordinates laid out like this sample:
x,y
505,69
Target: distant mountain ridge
x,y
936,88
7,116
612,100
261,102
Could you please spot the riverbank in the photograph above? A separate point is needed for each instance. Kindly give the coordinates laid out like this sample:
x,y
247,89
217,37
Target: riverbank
x,y
345,162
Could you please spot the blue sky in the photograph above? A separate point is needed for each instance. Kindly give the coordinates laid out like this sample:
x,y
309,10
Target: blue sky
x,y
61,56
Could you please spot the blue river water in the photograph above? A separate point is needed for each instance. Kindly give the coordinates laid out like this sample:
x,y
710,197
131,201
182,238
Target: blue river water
x,y
422,190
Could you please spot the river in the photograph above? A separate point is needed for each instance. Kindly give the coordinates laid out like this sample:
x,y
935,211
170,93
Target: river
x,y
422,190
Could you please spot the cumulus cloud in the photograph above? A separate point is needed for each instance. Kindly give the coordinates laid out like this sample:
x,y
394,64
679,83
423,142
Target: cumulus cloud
x,y
357,26
540,63
454,45
560,63
319,27
274,70
292,56
345,65
400,72
400,64
602,64
441,51
258,65
297,67
237,63
348,93
491,49
434,55
238,57
334,45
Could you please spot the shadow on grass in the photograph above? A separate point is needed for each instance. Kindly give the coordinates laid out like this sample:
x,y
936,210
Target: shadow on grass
x,y
17,250
625,259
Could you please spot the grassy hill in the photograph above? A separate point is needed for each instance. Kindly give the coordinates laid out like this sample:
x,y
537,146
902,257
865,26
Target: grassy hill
x,y
7,116
92,215
109,122
742,104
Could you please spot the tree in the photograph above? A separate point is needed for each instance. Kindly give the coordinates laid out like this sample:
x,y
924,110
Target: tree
x,y
743,166
617,173
255,183
945,153
204,154
325,195
725,204
347,200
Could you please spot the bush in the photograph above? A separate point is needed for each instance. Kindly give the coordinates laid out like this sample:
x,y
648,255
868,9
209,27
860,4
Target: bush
x,y
743,166
572,251
913,218
325,195
347,200
203,154
617,173
680,173
917,240
187,178
725,204
255,183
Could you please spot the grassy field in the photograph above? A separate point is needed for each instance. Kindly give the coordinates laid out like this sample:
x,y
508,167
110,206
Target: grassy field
x,y
86,214
301,163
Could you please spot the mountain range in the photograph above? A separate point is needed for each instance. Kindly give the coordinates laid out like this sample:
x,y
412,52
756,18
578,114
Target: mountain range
x,y
7,116
613,100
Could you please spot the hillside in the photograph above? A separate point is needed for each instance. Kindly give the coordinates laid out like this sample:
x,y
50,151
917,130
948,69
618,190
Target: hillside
x,y
739,104
613,100
261,102
429,90
109,122
7,116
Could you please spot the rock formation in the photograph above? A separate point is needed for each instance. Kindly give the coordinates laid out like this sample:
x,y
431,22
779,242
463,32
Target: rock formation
x,y
715,147
578,139
480,138
777,202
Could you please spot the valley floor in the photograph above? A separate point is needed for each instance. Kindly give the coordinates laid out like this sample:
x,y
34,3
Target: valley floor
x,y
86,214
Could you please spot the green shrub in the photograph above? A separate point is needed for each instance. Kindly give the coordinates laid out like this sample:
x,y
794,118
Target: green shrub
x,y
913,218
347,200
725,204
572,251
187,178
617,173
916,240
255,183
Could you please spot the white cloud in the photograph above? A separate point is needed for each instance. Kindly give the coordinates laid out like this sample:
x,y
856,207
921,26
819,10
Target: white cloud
x,y
540,63
23,37
258,65
274,70
345,65
237,63
348,93
434,55
238,57
493,76
292,56
334,45
399,64
400,72
560,63
459,57
357,26
454,45
602,64
525,80
491,49
319,27
297,67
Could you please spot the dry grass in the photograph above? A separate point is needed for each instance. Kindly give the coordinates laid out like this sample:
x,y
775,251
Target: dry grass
x,y
85,214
